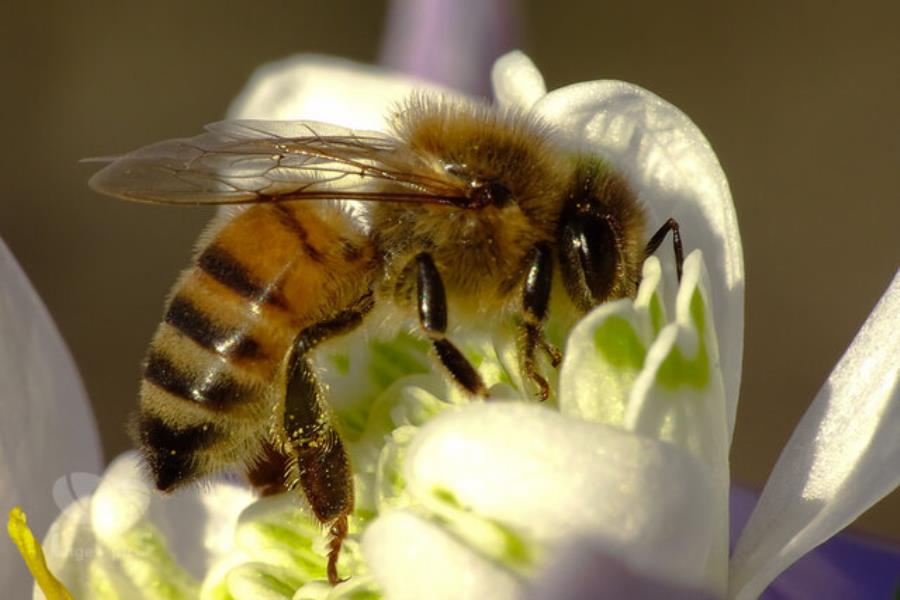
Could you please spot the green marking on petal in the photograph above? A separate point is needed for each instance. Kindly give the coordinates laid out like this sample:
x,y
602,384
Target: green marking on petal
x,y
677,370
364,515
392,360
657,317
146,562
390,484
474,355
272,530
486,535
364,595
101,584
516,550
446,496
698,314
395,478
353,421
358,587
259,581
619,344
341,362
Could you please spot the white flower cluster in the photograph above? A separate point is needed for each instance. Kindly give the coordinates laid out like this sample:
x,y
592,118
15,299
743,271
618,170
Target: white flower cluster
x,y
460,499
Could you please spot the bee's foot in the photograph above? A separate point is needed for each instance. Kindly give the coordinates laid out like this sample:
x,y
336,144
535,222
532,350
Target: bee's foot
x,y
552,351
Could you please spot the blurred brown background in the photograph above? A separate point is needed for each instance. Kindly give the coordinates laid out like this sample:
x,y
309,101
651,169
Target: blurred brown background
x,y
801,101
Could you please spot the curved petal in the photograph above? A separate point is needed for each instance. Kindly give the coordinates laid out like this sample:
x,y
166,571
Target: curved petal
x,y
846,566
481,471
627,367
47,432
842,458
125,535
517,82
674,171
322,88
679,397
413,558
585,569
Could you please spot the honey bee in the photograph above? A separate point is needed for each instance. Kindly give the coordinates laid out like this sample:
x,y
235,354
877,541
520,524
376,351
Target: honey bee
x,y
467,211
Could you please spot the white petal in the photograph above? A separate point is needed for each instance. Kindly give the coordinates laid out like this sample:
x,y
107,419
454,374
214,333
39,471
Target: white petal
x,y
122,534
585,569
260,581
679,397
843,457
69,546
198,523
412,558
675,173
606,350
326,89
46,431
548,477
595,381
517,82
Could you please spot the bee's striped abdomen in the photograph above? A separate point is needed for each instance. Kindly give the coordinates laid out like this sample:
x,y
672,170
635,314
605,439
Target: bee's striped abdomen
x,y
194,323
211,381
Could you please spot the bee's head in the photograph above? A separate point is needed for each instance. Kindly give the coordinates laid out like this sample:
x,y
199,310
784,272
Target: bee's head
x,y
600,237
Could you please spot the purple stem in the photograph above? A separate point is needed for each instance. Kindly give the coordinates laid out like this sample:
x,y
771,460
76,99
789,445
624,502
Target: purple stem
x,y
451,42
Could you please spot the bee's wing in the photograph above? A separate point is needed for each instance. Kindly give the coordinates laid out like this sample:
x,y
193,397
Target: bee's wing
x,y
241,162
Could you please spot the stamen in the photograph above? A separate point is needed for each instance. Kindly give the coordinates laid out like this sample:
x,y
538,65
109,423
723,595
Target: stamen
x,y
33,555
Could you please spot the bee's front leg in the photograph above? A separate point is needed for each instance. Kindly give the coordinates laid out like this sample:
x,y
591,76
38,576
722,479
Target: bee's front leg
x,y
431,300
657,240
535,301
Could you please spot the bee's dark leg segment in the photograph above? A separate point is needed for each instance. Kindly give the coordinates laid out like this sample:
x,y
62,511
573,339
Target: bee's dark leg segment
x,y
323,466
269,473
432,305
657,240
535,301
343,322
338,533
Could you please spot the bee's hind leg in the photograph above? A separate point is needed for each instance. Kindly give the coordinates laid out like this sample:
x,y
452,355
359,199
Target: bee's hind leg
x,y
431,300
322,465
535,301
269,472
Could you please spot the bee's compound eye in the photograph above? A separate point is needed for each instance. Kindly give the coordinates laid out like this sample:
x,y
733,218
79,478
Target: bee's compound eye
x,y
589,258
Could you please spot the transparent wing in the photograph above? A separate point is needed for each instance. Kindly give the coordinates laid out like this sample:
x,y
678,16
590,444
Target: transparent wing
x,y
240,162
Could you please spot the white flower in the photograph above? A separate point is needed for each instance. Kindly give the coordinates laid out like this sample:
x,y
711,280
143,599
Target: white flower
x,y
46,431
469,500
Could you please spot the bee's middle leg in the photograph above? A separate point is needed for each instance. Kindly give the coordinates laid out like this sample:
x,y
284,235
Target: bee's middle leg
x,y
431,300
535,302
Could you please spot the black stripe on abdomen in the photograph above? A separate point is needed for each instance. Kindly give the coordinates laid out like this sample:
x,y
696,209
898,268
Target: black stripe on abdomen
x,y
215,388
169,451
225,341
290,222
219,264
